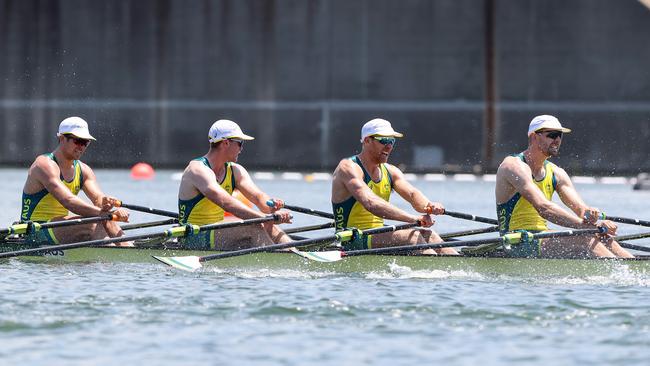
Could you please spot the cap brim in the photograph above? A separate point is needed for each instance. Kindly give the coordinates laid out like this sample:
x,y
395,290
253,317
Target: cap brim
x,y
394,134
78,135
243,137
563,129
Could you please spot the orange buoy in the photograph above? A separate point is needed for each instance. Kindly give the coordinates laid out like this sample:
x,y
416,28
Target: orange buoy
x,y
142,171
238,195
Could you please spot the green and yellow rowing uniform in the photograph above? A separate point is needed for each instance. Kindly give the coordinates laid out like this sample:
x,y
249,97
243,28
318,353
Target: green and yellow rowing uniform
x,y
351,214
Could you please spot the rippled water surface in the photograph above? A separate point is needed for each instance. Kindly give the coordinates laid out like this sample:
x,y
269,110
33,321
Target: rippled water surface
x,y
111,313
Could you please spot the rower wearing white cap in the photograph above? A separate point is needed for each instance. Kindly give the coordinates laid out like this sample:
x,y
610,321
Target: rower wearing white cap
x,y
361,189
206,192
525,184
53,182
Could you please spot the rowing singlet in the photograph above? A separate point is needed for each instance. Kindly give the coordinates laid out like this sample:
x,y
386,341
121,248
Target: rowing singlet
x,y
519,214
351,213
200,210
42,206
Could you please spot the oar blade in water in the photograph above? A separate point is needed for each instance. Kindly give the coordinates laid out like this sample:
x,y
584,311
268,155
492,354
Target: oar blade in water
x,y
188,263
327,257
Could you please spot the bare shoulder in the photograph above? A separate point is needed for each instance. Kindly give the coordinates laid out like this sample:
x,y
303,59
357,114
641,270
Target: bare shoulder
x,y
44,166
347,169
196,168
238,169
86,170
560,174
393,170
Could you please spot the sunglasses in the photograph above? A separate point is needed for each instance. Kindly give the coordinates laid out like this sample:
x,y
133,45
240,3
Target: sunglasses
x,y
385,140
552,134
240,142
77,140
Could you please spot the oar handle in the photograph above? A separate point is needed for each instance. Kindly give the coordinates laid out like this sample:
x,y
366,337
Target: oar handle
x,y
150,210
304,210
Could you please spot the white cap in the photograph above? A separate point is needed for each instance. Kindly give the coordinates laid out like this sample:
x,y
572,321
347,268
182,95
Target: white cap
x,y
379,127
75,126
226,129
545,122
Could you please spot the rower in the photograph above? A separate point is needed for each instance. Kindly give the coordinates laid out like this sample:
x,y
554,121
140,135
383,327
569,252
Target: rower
x,y
53,182
525,184
206,191
361,189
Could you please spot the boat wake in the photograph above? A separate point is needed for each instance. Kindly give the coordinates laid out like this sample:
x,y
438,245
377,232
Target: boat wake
x,y
396,271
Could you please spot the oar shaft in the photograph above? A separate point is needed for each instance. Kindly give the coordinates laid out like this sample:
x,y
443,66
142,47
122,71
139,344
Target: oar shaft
x,y
634,247
625,220
90,243
309,211
25,227
169,233
490,229
150,210
309,228
464,216
468,243
300,243
632,236
149,224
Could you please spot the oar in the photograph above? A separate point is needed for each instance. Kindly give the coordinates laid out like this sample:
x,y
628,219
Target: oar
x,y
304,210
489,229
464,216
149,224
150,210
634,247
505,240
309,228
173,232
632,236
624,220
26,227
192,263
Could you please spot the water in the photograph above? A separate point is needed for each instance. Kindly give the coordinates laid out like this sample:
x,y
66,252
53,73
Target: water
x,y
106,314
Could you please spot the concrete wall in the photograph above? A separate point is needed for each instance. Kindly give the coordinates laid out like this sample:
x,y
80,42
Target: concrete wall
x,y
303,76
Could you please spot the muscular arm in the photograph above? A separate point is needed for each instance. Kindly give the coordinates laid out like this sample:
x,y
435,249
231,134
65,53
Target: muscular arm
x,y
250,190
516,176
203,179
412,195
568,193
91,186
348,181
46,173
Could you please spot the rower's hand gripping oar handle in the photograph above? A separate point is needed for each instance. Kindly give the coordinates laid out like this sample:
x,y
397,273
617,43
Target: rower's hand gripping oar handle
x,y
155,211
308,211
464,216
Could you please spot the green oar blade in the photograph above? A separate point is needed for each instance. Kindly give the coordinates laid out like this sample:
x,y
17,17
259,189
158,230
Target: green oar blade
x,y
326,257
188,263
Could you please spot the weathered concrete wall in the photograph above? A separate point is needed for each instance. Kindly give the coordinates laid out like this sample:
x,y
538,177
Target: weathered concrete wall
x,y
303,76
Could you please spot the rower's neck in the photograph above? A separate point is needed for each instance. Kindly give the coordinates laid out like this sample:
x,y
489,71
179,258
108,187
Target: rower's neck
x,y
534,158
61,159
370,164
217,162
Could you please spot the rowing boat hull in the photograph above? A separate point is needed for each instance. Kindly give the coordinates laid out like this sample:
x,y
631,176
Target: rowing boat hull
x,y
361,264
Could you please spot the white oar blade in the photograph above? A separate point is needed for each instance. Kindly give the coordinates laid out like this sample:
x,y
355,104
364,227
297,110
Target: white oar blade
x,y
327,257
189,263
